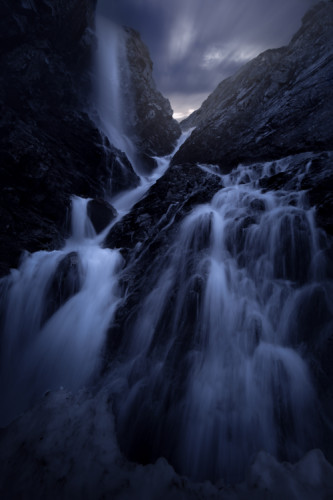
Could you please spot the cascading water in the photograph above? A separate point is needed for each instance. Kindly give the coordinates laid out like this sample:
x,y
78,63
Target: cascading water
x,y
115,106
58,306
113,74
126,199
217,366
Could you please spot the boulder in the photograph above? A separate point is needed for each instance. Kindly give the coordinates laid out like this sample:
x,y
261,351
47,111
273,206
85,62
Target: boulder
x,y
101,213
65,283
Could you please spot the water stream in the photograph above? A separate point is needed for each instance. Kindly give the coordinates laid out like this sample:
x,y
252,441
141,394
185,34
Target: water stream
x,y
216,365
113,75
58,306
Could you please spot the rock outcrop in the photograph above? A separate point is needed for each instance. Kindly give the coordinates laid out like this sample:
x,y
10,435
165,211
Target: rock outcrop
x,y
278,104
101,213
155,131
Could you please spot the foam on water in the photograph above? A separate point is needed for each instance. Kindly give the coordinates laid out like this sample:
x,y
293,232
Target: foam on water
x,y
57,308
216,370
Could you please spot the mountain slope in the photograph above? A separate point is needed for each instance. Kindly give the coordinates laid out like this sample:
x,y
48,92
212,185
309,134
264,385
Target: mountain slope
x,y
279,103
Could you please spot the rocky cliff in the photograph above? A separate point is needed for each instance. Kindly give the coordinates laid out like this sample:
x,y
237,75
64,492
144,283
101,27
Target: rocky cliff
x,y
154,129
50,147
279,103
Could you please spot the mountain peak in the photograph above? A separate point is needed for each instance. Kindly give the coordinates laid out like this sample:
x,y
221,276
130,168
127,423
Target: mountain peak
x,y
278,103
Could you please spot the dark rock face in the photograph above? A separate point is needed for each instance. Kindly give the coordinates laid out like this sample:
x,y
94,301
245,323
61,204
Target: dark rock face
x,y
101,213
65,283
154,128
50,149
168,201
280,103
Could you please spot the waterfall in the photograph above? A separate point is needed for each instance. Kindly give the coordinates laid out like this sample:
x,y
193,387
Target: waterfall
x,y
217,367
126,199
215,364
113,75
57,308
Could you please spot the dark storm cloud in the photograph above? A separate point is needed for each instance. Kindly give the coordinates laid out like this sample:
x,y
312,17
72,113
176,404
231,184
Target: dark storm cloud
x,y
195,44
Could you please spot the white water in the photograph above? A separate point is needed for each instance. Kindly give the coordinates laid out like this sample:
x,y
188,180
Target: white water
x,y
216,366
125,200
113,75
58,305
42,349
215,369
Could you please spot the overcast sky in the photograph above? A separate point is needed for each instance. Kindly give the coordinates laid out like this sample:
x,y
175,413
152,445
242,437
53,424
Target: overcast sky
x,y
194,44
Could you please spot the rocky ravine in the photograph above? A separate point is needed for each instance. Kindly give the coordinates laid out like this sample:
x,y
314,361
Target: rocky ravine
x,y
50,148
154,130
278,104
67,445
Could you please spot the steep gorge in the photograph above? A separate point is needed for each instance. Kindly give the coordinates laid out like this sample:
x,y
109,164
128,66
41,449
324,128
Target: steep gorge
x,y
199,314
51,147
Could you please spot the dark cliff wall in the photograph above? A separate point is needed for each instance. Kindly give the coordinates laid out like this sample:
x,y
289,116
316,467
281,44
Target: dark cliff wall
x,y
50,148
279,103
154,128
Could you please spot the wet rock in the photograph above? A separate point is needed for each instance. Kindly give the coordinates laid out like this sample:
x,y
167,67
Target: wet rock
x,y
312,173
318,182
101,213
147,162
258,205
188,186
276,181
66,282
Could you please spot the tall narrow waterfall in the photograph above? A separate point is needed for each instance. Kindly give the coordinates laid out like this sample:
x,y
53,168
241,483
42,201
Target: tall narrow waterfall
x,y
113,76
